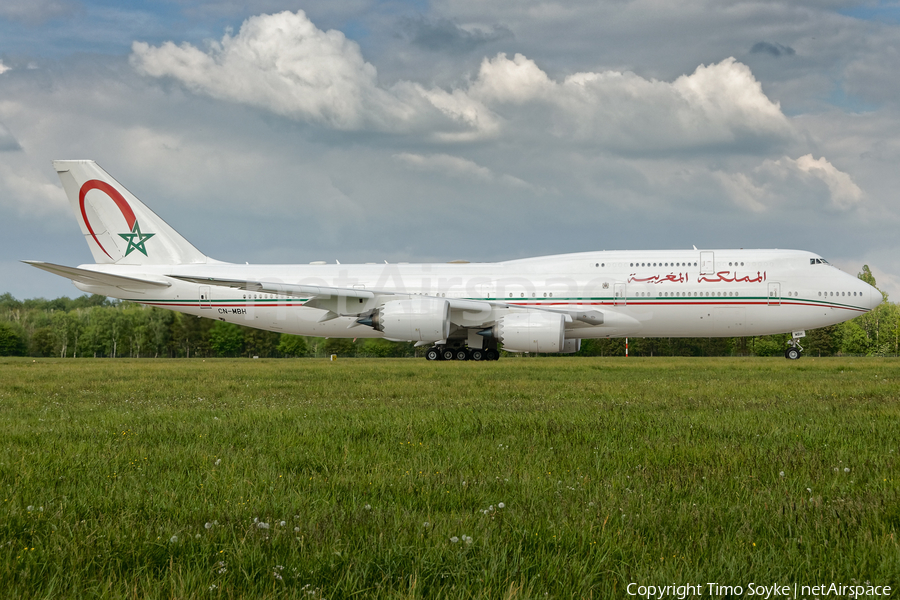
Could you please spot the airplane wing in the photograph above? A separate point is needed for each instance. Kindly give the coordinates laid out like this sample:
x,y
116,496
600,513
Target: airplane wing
x,y
285,289
97,278
477,310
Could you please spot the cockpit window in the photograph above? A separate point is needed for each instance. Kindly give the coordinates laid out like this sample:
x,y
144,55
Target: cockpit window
x,y
818,261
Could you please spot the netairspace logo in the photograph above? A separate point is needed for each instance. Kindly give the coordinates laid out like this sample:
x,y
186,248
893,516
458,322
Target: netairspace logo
x,y
754,590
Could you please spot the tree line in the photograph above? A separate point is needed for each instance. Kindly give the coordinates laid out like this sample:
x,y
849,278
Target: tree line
x,y
95,326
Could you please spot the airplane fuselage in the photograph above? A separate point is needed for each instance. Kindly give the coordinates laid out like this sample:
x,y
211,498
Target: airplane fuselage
x,y
668,293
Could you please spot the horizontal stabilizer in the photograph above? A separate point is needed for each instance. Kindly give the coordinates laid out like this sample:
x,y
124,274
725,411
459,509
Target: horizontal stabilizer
x,y
95,277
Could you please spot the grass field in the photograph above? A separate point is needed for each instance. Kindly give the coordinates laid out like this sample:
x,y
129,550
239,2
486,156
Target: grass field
x,y
526,478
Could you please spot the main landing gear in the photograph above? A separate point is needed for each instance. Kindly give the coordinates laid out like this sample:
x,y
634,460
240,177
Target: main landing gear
x,y
461,353
792,352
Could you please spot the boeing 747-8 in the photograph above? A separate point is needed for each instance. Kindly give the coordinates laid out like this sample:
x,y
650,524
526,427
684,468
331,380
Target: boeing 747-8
x,y
460,310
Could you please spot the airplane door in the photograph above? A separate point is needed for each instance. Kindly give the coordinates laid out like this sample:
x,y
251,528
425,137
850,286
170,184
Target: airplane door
x,y
707,263
619,298
774,294
204,297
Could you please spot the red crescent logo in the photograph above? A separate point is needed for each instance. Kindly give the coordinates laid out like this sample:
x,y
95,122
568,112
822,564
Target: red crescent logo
x,y
96,184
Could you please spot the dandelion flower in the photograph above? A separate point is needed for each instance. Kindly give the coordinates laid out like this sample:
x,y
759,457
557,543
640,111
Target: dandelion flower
x,y
501,505
426,524
208,525
218,461
781,473
173,539
197,536
281,523
262,525
454,539
846,469
368,507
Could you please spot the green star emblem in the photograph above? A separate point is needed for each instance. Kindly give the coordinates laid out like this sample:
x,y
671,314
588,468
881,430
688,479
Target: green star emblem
x,y
136,239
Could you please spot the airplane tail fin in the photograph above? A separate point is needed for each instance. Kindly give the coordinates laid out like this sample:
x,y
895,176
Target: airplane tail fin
x,y
118,227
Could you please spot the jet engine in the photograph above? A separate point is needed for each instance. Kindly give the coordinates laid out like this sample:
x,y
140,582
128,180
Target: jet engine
x,y
532,332
414,319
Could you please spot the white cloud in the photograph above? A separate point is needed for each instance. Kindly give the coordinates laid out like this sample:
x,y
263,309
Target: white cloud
x,y
284,64
3,68
717,105
844,193
515,81
790,183
476,120
458,167
742,190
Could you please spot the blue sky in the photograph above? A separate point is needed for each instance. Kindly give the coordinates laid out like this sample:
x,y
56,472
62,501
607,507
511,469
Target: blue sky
x,y
358,130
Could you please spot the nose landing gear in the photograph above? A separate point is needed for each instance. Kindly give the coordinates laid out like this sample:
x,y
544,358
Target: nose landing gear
x,y
792,352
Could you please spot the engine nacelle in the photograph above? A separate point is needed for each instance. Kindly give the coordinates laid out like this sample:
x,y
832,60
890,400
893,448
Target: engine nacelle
x,y
415,319
532,332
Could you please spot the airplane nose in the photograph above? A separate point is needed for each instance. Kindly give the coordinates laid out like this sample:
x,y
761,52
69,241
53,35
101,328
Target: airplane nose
x,y
875,298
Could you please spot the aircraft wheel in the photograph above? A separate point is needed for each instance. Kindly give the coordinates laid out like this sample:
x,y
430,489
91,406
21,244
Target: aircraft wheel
x,y
461,354
792,353
447,354
477,354
433,354
491,355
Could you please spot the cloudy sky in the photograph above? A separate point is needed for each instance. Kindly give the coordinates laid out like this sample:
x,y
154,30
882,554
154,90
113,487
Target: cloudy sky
x,y
363,131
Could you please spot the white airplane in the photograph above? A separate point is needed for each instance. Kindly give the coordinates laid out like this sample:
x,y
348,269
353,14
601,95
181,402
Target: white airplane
x,y
463,311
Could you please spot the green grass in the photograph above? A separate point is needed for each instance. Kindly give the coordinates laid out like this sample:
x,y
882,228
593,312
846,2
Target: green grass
x,y
611,471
